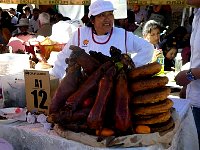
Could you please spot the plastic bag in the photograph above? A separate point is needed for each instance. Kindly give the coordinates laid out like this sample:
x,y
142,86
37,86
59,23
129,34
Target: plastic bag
x,y
14,90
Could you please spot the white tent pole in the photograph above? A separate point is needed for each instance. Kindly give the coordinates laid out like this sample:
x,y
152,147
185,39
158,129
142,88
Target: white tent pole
x,y
183,16
190,11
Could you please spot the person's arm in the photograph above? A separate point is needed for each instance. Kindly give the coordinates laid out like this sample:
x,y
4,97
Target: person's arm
x,y
142,49
182,79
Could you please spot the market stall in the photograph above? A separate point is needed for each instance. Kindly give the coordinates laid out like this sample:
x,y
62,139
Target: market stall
x,y
30,133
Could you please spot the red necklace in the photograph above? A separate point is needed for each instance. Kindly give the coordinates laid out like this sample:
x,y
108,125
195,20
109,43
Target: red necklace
x,y
105,41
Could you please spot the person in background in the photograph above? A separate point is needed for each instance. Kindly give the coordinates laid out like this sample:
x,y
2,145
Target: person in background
x,y
161,14
151,33
45,28
58,17
101,35
140,14
190,78
20,36
128,23
12,13
5,33
6,20
27,11
169,51
179,35
186,52
22,27
34,21
20,8
22,15
52,13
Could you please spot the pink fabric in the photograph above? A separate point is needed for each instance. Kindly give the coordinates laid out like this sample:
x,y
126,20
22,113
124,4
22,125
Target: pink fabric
x,y
25,37
16,45
18,42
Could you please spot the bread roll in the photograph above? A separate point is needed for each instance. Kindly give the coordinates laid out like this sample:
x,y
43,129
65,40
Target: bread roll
x,y
145,71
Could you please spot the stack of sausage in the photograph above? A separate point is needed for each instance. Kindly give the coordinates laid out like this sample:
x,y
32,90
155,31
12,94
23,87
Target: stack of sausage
x,y
151,109
95,97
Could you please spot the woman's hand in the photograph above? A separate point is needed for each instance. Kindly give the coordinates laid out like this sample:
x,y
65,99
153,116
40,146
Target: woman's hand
x,y
181,78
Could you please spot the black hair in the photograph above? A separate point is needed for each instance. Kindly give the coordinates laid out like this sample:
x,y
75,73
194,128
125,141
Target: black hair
x,y
130,16
167,46
36,10
90,24
27,8
11,9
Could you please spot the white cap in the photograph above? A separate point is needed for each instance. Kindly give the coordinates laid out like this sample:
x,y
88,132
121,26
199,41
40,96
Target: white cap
x,y
100,6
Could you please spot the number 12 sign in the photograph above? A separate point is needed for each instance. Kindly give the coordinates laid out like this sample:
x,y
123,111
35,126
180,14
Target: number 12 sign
x,y
37,84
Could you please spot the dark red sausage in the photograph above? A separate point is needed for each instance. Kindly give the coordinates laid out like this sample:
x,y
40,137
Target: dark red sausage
x,y
122,98
87,62
96,116
67,86
63,116
86,88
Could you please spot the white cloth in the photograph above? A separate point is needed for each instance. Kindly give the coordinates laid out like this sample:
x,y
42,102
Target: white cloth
x,y
34,137
4,145
193,89
133,44
71,11
62,31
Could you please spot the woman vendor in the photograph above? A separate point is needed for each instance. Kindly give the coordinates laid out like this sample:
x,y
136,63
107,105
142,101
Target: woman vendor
x,y
99,35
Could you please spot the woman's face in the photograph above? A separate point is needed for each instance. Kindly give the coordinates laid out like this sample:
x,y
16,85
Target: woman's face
x,y
103,22
153,37
136,8
171,54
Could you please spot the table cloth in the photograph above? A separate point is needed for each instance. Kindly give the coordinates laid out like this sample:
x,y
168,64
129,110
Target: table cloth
x,y
24,136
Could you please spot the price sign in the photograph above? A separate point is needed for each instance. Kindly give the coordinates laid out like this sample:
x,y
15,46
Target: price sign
x,y
37,84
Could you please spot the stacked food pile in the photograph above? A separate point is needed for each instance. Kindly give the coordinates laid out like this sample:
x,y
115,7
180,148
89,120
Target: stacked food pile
x,y
150,106
108,96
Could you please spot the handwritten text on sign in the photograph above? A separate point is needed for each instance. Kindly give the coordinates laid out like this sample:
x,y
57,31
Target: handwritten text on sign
x,y
157,2
48,2
37,85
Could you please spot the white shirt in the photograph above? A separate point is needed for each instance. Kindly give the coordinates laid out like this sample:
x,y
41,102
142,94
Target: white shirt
x,y
134,44
14,20
193,89
141,16
34,24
